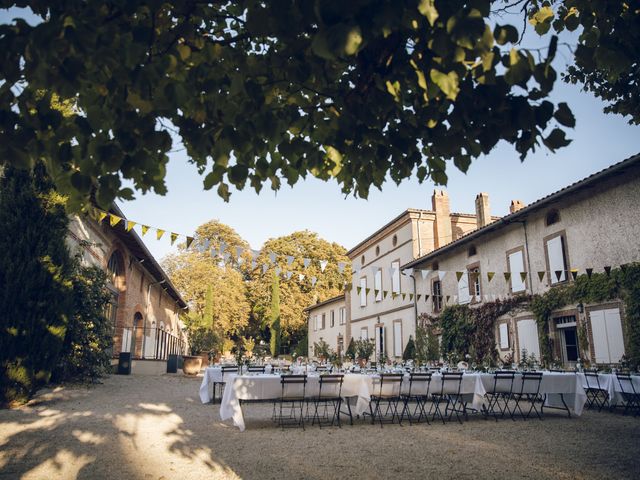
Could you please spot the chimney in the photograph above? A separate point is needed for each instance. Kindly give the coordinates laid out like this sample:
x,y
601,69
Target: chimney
x,y
483,215
442,226
515,206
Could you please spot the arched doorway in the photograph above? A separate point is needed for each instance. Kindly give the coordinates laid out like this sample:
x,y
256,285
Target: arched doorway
x,y
137,336
116,287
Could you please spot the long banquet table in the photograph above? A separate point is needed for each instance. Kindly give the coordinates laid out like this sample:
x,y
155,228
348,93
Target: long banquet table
x,y
558,389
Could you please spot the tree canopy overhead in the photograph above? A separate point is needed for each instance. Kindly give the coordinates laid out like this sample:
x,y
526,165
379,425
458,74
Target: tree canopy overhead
x,y
261,92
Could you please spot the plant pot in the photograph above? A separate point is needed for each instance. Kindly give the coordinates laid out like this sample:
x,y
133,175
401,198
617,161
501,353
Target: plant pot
x,y
191,364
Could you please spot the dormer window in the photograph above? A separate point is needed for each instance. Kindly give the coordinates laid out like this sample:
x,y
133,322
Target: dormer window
x,y
552,217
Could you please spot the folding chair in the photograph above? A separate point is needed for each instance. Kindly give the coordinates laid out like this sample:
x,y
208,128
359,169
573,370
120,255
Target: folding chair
x,y
419,384
630,397
596,395
227,369
256,368
450,396
291,401
500,395
529,392
329,398
388,388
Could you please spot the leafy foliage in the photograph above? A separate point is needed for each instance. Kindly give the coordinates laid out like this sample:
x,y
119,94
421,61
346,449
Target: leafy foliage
x,y
409,350
275,328
351,350
261,92
322,349
364,348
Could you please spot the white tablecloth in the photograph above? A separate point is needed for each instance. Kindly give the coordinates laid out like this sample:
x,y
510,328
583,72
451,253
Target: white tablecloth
x,y
214,375
609,382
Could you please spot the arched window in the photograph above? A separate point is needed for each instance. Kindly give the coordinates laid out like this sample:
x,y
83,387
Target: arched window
x,y
378,251
553,216
115,268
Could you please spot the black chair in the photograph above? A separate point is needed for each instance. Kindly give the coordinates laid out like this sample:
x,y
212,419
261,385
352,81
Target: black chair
x,y
596,395
529,393
449,395
329,399
500,395
256,368
226,370
630,396
419,384
291,401
388,389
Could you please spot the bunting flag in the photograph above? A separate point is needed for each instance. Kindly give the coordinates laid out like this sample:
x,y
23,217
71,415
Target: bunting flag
x,y
425,274
207,242
239,251
189,241
313,281
367,290
411,297
490,276
145,229
222,247
289,275
114,219
507,276
446,300
441,275
393,295
348,287
289,259
102,216
418,296
359,290
341,266
214,253
559,274
407,272
174,237
265,267
254,264
607,270
459,275
306,262
240,260
623,267
574,273
278,270
426,298
392,271
323,265
130,225
589,273
300,276
541,275
385,293
404,295
376,292
159,233
523,276
272,257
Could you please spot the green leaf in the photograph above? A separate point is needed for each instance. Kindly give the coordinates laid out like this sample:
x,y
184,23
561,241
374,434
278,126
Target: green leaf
x,y
428,9
353,41
556,139
449,83
184,51
505,34
394,89
564,115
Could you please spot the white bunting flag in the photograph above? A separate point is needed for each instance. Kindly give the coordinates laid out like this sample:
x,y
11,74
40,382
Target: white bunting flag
x,y
226,257
300,276
254,264
306,262
392,271
407,272
289,275
289,259
278,270
313,281
223,246
441,274
255,253
425,274
239,251
323,265
341,266
265,267
214,253
272,257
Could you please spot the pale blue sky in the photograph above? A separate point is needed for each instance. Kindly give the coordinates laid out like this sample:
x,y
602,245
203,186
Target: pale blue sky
x,y
598,141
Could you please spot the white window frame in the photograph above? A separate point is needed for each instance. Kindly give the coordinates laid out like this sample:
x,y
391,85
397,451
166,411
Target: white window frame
x,y
377,284
397,338
396,287
343,316
555,249
365,331
363,291
516,267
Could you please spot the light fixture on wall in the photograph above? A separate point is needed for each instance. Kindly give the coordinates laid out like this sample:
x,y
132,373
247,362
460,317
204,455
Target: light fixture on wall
x,y
580,307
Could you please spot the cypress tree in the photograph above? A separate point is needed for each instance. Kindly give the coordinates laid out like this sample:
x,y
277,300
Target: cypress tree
x,y
275,316
209,321
36,297
410,350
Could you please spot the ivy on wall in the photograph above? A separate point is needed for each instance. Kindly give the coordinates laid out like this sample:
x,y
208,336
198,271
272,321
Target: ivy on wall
x,y
470,328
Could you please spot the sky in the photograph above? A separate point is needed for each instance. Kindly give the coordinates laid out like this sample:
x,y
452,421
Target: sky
x,y
599,141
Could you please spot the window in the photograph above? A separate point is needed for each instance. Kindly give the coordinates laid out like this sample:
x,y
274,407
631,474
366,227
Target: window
x,y
435,266
474,280
343,316
397,338
395,276
515,261
323,324
364,333
115,268
472,251
504,336
556,259
436,295
395,240
528,337
377,284
377,250
314,320
463,289
362,260
363,292
552,217
332,318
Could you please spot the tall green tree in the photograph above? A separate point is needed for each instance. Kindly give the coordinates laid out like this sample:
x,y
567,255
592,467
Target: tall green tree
x,y
36,272
209,319
274,324
264,92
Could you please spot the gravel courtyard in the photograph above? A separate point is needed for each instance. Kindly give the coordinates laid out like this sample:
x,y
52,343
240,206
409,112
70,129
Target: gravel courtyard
x,y
139,427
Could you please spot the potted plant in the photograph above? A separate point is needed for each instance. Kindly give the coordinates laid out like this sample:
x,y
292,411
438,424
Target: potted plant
x,y
364,349
203,341
321,350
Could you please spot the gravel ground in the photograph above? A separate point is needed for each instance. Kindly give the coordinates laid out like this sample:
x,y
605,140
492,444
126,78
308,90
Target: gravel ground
x,y
139,427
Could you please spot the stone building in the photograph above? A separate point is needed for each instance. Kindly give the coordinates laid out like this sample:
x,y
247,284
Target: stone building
x,y
382,301
145,305
591,224
328,321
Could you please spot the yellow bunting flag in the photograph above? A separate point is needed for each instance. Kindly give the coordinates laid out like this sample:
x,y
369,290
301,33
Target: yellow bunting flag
x,y
490,276
114,219
358,289
541,275
418,296
145,229
385,293
189,241
159,233
394,295
130,225
507,276
368,290
174,237
376,292
447,298
459,275
404,295
102,216
574,273
426,298
607,270
523,276
411,296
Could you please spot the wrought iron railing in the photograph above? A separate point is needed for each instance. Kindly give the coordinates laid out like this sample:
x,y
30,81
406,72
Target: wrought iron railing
x,y
151,343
